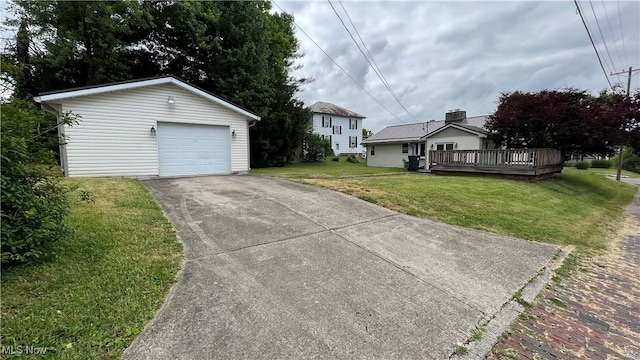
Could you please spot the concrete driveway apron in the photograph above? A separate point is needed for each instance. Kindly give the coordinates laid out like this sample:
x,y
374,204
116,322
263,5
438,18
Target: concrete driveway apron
x,y
280,270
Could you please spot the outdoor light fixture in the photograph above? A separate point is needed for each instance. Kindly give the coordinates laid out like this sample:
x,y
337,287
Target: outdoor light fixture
x,y
153,130
431,146
170,100
233,133
455,145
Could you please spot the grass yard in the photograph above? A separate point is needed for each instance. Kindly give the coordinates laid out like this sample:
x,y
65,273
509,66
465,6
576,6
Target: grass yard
x,y
613,172
574,208
103,285
327,169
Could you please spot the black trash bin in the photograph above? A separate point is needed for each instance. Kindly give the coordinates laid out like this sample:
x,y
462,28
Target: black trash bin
x,y
414,162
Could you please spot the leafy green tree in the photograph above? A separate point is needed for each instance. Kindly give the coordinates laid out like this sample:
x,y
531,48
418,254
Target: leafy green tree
x,y
33,205
630,159
238,50
315,148
84,42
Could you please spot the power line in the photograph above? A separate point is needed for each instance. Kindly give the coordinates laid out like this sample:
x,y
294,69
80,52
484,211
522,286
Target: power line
x,y
602,37
384,82
592,43
615,43
384,79
338,65
622,34
586,20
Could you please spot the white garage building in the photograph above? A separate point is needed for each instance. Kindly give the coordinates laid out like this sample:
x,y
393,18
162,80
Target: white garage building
x,y
151,127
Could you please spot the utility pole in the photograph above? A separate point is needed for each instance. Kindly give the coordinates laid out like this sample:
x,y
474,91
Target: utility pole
x,y
621,153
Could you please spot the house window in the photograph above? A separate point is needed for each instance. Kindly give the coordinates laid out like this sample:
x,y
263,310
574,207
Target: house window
x,y
405,148
353,142
326,137
353,124
444,146
337,129
326,121
422,149
373,150
337,146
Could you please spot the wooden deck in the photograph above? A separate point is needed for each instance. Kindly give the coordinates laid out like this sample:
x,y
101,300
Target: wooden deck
x,y
530,163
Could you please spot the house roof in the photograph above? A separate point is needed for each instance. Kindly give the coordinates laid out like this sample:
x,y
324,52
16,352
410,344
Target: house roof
x,y
468,128
52,96
418,131
331,109
398,133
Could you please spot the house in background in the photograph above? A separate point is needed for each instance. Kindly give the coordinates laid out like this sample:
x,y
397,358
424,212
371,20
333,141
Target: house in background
x,y
150,127
342,127
392,146
458,132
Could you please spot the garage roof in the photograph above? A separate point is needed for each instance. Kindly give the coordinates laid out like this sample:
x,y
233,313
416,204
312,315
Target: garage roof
x,y
133,84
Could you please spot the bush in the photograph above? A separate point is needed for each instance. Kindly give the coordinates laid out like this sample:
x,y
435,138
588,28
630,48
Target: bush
x,y
335,158
352,159
631,160
33,204
583,165
602,164
315,148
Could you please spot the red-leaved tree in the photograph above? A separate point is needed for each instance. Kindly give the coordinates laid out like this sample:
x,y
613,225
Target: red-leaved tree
x,y
570,120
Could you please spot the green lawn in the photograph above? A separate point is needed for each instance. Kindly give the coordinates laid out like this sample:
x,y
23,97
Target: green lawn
x,y
103,285
614,172
327,169
574,208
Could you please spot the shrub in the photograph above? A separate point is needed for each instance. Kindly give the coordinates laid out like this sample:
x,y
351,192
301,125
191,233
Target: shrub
x,y
335,158
583,165
33,204
601,164
630,160
315,148
352,159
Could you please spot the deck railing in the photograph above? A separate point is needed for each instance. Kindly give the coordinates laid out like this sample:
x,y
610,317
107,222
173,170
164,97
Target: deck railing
x,y
510,161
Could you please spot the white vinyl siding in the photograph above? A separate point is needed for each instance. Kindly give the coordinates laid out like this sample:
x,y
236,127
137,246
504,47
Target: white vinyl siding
x,y
460,139
339,130
113,137
390,155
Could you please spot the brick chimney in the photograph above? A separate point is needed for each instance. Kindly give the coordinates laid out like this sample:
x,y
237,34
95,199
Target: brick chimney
x,y
455,115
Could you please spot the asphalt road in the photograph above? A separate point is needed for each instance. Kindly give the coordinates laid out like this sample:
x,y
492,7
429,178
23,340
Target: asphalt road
x,y
279,270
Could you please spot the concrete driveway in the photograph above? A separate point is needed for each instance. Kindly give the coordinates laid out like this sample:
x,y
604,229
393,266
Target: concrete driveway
x,y
279,270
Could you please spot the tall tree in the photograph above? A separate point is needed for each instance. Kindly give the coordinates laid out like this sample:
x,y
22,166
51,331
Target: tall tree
x,y
570,120
238,50
84,42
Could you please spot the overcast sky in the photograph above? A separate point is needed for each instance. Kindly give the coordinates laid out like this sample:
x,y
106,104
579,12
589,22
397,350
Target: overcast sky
x,y
442,55
439,56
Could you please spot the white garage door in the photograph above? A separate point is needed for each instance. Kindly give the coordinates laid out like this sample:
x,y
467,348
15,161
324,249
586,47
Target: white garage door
x,y
188,149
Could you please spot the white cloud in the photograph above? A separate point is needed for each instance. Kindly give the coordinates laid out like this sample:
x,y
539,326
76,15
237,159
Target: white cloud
x,y
443,55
